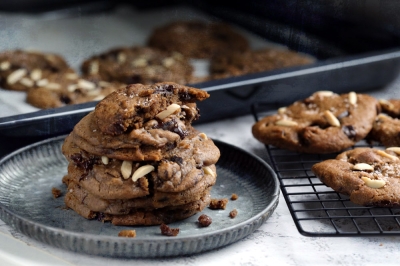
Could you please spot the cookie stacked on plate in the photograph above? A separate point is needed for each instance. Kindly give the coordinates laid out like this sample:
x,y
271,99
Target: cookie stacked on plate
x,y
137,160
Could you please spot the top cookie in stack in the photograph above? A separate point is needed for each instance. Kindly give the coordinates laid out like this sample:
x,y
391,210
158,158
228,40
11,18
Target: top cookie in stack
x,y
137,160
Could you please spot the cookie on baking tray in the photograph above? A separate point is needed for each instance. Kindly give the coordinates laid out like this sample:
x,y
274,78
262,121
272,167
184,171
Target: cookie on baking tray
x,y
137,160
370,177
325,122
198,39
21,70
65,88
252,61
137,64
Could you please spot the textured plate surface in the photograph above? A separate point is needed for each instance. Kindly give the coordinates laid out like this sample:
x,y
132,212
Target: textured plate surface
x,y
27,204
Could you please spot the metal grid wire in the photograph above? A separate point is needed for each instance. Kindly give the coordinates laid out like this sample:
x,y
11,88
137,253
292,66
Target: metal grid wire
x,y
316,209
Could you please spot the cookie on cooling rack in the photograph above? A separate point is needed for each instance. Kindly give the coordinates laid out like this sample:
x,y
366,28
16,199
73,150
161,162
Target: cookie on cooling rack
x,y
198,39
21,70
386,127
325,122
369,176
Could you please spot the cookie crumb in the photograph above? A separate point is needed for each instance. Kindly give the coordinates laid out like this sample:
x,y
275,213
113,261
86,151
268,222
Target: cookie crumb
x,y
127,233
234,196
204,220
218,204
233,213
56,192
167,231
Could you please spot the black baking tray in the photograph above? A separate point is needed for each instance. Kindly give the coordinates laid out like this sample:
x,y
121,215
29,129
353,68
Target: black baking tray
x,y
348,58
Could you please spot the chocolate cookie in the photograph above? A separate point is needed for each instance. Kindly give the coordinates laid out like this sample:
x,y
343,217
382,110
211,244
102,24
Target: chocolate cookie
x,y
137,160
21,70
386,127
143,65
197,39
252,61
325,122
66,88
369,176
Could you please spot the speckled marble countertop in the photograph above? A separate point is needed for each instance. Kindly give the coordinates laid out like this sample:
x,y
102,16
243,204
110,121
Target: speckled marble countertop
x,y
276,242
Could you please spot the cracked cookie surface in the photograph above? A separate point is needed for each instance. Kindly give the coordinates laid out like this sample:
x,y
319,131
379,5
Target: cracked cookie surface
x,y
370,177
325,122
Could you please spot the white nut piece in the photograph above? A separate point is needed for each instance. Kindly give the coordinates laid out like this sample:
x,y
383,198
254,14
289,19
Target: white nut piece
x,y
394,149
36,74
15,76
363,167
324,93
53,86
27,82
170,110
386,103
282,110
208,171
387,155
121,57
140,62
142,171
203,136
94,67
168,62
352,98
286,123
105,160
332,120
5,65
126,169
72,87
86,85
42,82
373,183
71,76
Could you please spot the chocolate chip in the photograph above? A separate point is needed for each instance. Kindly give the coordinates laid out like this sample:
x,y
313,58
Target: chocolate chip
x,y
349,131
343,114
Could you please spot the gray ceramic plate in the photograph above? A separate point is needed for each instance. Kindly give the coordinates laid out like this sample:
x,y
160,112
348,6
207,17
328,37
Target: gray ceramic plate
x,y
27,204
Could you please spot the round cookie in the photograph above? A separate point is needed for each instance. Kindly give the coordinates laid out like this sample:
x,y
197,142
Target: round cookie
x,y
197,39
370,177
240,63
68,88
390,107
21,70
385,130
137,64
325,122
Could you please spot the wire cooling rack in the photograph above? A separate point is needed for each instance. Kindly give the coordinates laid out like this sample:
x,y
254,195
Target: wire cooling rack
x,y
316,209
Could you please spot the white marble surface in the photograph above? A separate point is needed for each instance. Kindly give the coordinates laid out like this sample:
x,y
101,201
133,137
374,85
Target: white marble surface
x,y
277,242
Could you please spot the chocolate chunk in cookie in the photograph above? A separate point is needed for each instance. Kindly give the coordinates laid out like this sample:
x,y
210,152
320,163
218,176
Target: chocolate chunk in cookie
x,y
325,122
370,177
137,64
252,61
21,70
198,39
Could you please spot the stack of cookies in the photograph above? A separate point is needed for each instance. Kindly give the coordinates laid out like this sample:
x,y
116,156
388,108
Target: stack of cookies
x,y
137,160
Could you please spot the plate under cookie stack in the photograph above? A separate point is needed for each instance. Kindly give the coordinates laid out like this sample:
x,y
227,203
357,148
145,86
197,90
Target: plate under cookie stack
x,y
137,160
